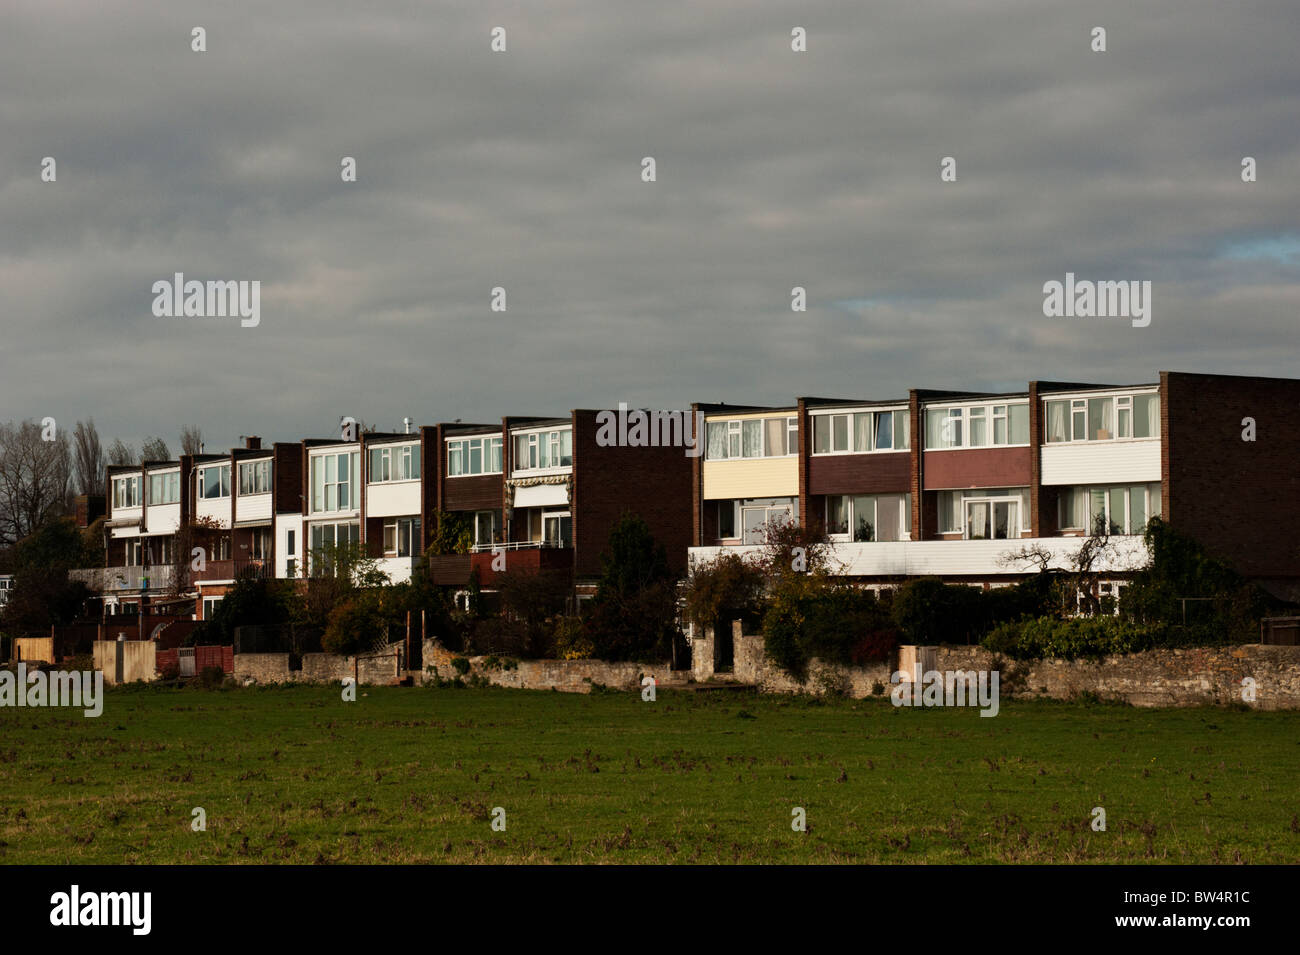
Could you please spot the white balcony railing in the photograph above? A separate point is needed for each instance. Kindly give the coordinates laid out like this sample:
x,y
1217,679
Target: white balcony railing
x,y
955,558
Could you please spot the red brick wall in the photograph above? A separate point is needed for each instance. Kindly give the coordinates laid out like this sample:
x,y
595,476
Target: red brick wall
x,y
1240,499
653,483
860,474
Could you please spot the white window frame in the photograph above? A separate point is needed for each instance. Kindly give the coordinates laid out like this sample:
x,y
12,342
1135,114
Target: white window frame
x,y
223,483
354,491
1123,404
126,492
990,412
897,434
851,516
171,482
549,439
256,475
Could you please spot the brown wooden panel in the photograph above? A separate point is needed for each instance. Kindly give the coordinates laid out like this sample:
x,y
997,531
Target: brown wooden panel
x,y
860,474
978,467
481,492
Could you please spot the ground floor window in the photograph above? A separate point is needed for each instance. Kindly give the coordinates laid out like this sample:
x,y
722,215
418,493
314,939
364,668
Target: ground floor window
x,y
746,518
401,536
328,540
869,517
1110,509
209,605
985,513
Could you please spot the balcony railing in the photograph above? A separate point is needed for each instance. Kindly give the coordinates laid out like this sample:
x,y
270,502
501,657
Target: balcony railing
x,y
233,569
520,545
107,580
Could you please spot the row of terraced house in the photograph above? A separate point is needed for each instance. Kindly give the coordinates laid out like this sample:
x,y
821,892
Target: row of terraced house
x,y
937,483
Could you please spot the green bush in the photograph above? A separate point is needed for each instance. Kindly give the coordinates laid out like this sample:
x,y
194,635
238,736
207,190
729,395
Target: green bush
x,y
1094,637
460,665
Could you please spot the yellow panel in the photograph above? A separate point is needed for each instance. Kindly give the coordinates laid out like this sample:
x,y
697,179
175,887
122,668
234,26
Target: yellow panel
x,y
751,477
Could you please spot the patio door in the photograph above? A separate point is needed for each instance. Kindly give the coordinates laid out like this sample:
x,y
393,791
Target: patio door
x,y
992,519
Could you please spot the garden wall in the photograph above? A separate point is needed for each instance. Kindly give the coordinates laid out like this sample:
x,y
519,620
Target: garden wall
x,y
566,676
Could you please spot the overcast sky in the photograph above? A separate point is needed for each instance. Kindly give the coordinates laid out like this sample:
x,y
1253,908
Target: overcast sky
x,y
523,170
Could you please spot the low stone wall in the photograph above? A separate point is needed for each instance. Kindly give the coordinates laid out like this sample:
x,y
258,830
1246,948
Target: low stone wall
x,y
566,676
1189,677
1185,677
264,668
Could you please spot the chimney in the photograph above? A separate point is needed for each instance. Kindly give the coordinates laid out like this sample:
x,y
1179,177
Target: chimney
x,y
406,423
253,443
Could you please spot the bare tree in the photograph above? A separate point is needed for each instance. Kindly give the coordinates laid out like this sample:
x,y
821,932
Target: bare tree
x,y
1080,570
87,458
121,454
35,478
191,439
154,449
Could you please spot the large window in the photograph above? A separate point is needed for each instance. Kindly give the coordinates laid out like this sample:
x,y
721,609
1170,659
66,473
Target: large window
x,y
746,519
861,431
327,540
214,482
401,537
977,426
126,491
753,438
869,517
1103,419
259,547
255,477
543,449
474,456
165,488
985,513
1113,509
334,478
399,462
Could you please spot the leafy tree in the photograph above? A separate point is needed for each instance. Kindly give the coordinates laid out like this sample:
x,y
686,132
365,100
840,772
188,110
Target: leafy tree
x,y
42,594
726,588
252,601
634,613
453,534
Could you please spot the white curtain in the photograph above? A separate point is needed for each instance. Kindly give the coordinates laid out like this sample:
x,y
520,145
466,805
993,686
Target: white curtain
x,y
1056,421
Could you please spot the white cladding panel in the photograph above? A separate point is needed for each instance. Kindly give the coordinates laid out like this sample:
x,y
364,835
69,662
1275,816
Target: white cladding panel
x,y
217,508
954,558
1117,462
393,499
254,507
542,495
398,569
164,518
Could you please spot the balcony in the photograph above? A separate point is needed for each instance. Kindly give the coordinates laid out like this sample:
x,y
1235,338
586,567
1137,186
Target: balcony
x,y
233,570
113,580
528,557
956,558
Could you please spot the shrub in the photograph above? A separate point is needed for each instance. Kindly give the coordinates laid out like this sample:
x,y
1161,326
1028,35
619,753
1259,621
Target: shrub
x,y
571,640
460,665
1093,637
210,678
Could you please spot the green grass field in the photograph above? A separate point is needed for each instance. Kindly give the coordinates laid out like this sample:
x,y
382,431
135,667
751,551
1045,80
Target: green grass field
x,y
412,775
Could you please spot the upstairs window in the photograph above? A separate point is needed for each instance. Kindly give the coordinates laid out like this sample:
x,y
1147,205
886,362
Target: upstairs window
x,y
543,449
255,477
986,425
396,463
860,432
334,479
126,491
214,482
165,488
776,437
1103,419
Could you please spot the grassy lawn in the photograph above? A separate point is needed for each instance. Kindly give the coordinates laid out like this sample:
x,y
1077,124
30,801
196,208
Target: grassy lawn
x,y
411,775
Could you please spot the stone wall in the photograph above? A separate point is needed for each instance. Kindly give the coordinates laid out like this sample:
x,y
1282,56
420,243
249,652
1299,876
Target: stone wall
x,y
1188,677
566,676
264,668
